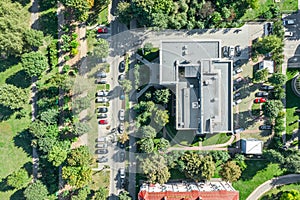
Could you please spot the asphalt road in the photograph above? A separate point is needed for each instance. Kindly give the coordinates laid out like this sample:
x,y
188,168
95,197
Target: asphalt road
x,y
275,182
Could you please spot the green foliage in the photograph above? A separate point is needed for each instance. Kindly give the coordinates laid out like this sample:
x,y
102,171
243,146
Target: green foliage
x,y
124,195
46,144
147,145
269,44
163,144
230,171
36,191
196,166
81,103
49,116
161,117
77,176
12,96
292,163
101,48
53,53
148,47
278,29
80,8
279,93
100,194
240,161
33,39
34,63
124,12
290,195
147,132
220,157
155,169
80,156
278,79
82,194
272,108
273,156
162,96
65,46
261,75
80,128
57,155
19,179
126,84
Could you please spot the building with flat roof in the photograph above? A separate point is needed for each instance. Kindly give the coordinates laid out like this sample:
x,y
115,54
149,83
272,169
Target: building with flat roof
x,y
252,146
202,82
213,190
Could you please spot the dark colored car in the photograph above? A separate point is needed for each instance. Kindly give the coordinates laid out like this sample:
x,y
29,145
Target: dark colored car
x,y
122,66
103,121
237,63
261,94
122,156
121,77
102,110
101,145
101,74
267,87
100,81
121,145
102,116
225,51
101,151
238,50
265,127
102,159
260,100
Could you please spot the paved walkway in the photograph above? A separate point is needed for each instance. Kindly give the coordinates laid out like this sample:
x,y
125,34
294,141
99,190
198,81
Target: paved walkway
x,y
273,183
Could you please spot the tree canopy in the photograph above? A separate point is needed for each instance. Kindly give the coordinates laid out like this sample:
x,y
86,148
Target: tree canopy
x,y
36,190
18,179
230,171
34,63
12,96
261,75
80,8
162,96
272,108
278,79
147,132
267,44
161,117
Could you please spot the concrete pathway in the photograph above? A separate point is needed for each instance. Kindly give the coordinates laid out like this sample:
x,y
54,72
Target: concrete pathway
x,y
34,25
273,183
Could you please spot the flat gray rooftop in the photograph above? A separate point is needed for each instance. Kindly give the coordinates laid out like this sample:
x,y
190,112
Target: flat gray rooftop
x,y
203,85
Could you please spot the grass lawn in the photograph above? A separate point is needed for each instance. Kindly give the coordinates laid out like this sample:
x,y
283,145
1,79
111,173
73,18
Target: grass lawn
x,y
218,138
283,188
256,173
100,179
14,141
256,109
150,56
292,103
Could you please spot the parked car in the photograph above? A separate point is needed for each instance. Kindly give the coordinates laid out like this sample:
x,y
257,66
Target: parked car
x,y
102,116
122,114
103,121
225,51
101,151
121,77
102,93
238,130
265,127
100,81
122,95
122,66
267,87
237,71
236,95
121,145
101,74
122,173
113,130
101,145
101,139
289,22
102,30
121,128
122,156
102,109
102,159
238,80
237,63
101,100
288,34
237,102
238,50
231,51
261,94
260,100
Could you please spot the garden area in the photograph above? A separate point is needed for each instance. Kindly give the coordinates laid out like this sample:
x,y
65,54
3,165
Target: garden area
x,y
219,138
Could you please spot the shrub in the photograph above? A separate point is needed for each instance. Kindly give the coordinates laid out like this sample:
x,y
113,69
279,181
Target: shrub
x,y
53,53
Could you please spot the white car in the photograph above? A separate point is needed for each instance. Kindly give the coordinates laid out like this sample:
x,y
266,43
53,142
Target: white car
x,y
231,51
288,34
101,93
237,71
237,102
122,173
236,95
289,22
122,114
238,130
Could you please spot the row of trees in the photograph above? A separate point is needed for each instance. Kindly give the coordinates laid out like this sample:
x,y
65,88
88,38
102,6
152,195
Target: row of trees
x,y
194,165
189,14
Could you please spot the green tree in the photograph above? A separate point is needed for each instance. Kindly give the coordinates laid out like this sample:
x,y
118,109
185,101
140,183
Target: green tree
x,y
12,96
18,179
261,75
57,155
80,156
273,156
36,191
34,63
155,169
220,157
80,128
101,48
101,194
147,132
80,103
278,79
124,195
127,85
148,47
33,38
216,17
267,44
82,194
292,163
162,96
147,145
163,144
124,11
240,161
290,195
230,171
49,116
279,92
46,144
161,117
79,7
78,176
272,108
278,29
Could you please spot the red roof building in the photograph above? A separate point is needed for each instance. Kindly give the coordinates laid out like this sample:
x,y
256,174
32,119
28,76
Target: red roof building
x,y
189,191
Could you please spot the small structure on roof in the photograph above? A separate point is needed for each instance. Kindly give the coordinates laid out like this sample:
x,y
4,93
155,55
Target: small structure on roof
x,y
267,64
252,146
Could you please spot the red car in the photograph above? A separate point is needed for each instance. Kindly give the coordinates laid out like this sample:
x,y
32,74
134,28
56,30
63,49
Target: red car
x,y
260,100
103,121
102,30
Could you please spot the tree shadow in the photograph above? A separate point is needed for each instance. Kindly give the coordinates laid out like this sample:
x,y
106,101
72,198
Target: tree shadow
x,y
48,23
7,63
45,5
19,79
3,185
23,140
245,120
18,195
22,2
5,113
253,166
